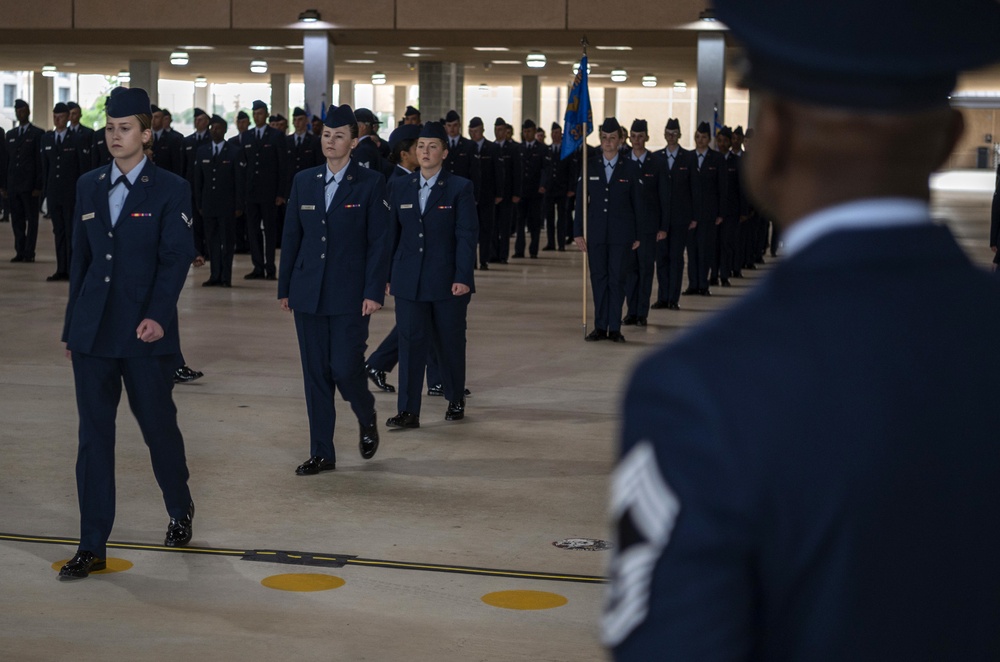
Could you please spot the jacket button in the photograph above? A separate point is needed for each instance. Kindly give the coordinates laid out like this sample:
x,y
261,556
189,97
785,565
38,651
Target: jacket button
x,y
421,250
111,234
108,256
421,235
324,238
323,256
107,279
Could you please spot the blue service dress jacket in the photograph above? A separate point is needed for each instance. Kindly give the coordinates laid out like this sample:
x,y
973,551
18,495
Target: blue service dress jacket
x,y
813,473
332,259
616,209
133,271
437,248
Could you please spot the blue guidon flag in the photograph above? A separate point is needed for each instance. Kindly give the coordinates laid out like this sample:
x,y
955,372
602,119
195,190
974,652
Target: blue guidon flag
x,y
579,115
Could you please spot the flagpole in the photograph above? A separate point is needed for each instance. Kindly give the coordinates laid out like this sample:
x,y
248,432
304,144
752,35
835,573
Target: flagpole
x,y
584,205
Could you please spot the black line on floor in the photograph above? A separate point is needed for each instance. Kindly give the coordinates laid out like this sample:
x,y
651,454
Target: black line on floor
x,y
321,559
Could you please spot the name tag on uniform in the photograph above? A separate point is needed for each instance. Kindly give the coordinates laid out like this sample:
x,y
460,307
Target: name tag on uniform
x,y
594,179
406,206
206,160
48,147
308,208
87,217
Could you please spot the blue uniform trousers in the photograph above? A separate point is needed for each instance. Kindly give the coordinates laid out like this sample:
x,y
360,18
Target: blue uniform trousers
x,y
426,327
607,280
386,356
148,383
332,348
220,245
701,251
639,276
24,223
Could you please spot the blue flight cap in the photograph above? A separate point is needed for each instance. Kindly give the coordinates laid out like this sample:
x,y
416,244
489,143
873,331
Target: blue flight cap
x,y
340,116
640,126
198,112
60,108
738,131
242,115
20,103
858,63
500,122
126,102
411,111
475,122
73,105
555,125
166,113
726,131
673,124
434,130
528,124
153,108
217,119
401,133
365,115
258,104
705,128
298,112
452,116
610,125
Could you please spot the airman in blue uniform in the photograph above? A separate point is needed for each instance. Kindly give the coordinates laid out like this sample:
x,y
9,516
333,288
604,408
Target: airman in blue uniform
x,y
218,193
84,135
811,474
64,157
615,212
24,181
435,228
264,155
333,277
132,249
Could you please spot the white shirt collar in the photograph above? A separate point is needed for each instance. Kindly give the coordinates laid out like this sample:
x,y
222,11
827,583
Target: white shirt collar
x,y
867,214
132,175
430,182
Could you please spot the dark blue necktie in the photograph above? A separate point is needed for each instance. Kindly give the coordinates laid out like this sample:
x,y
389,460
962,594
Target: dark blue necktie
x,y
123,179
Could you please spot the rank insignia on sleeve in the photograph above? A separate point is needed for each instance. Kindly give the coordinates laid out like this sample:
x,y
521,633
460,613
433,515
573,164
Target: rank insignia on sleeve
x,y
185,218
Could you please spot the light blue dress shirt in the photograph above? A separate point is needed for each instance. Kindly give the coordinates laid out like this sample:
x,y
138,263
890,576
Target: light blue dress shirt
x,y
332,183
425,189
869,214
118,193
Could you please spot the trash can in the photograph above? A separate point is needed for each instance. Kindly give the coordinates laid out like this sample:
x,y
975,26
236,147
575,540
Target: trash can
x,y
982,157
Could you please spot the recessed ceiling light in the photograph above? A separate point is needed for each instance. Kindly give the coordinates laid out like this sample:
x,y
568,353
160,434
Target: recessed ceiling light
x,y
267,48
201,81
124,76
426,48
680,84
295,61
295,47
498,49
614,48
412,54
378,78
198,48
258,67
309,16
535,60
506,62
360,61
179,58
649,80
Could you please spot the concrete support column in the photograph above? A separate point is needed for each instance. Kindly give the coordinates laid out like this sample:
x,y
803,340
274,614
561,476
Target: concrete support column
x,y
610,105
146,74
201,99
42,100
279,95
347,92
531,100
317,67
398,103
441,89
711,77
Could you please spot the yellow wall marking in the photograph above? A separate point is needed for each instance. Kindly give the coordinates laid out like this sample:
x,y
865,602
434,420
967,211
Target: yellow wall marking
x,y
524,600
114,565
303,582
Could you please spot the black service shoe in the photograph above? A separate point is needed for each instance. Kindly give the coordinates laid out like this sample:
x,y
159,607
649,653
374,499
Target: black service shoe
x,y
184,374
254,275
369,438
456,410
713,281
596,334
616,336
705,292
673,306
659,305
179,531
640,321
81,565
377,377
435,389
630,320
211,282
57,277
17,258
691,290
726,283
314,465
403,419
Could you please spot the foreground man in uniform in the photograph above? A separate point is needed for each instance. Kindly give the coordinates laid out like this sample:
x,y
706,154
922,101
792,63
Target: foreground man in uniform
x,y
843,504
334,264
131,251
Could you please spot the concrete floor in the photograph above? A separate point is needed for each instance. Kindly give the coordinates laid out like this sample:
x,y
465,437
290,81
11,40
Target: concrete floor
x,y
528,466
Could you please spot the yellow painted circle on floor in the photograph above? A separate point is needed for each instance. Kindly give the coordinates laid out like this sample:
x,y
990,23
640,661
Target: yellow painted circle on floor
x,y
303,582
524,600
114,565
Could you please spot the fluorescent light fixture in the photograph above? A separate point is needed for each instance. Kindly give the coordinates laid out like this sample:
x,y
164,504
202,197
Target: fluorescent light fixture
x,y
360,61
426,48
506,61
619,75
258,67
49,70
371,52
412,54
649,80
707,15
535,60
124,76
201,81
295,61
613,48
680,85
179,58
309,16
483,87
489,49
267,48
295,47
378,78
200,48
576,67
